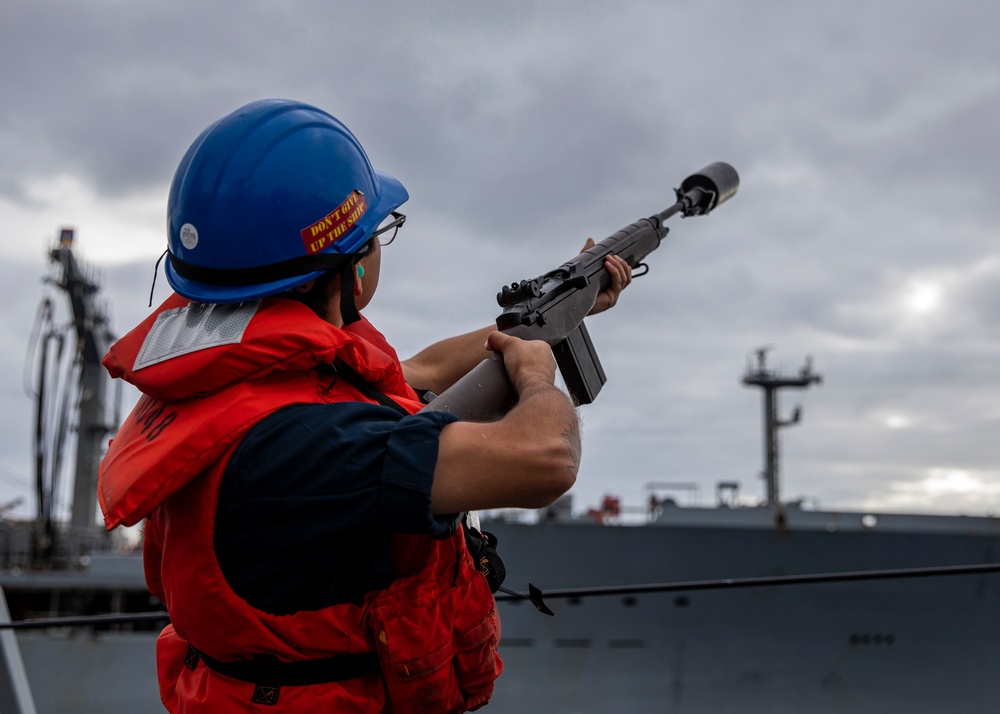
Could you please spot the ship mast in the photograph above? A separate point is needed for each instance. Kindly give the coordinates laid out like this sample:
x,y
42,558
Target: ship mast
x,y
771,381
93,340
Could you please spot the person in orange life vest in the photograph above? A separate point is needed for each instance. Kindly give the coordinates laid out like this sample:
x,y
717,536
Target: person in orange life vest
x,y
299,510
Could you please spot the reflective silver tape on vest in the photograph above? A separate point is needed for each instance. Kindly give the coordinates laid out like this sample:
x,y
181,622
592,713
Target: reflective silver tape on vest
x,y
197,326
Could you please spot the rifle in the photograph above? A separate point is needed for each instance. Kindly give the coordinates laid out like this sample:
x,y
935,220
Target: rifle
x,y
552,306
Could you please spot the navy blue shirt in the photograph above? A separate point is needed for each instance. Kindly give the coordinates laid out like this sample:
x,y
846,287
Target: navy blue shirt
x,y
309,497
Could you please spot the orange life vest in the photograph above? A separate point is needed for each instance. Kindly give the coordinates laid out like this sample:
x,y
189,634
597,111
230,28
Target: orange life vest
x,y
208,373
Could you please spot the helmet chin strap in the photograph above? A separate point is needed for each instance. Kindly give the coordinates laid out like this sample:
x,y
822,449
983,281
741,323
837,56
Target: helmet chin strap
x,y
348,308
156,269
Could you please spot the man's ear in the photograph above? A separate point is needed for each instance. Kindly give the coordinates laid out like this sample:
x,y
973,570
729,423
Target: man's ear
x,y
359,288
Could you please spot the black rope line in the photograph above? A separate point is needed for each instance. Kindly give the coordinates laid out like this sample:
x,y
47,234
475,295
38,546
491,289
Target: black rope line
x,y
535,595
85,620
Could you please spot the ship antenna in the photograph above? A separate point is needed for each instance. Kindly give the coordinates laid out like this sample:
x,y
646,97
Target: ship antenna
x,y
771,381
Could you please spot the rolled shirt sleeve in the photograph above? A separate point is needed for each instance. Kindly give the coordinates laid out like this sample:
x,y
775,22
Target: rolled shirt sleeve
x,y
310,496
405,493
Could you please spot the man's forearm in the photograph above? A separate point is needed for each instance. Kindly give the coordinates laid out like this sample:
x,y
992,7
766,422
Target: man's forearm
x,y
525,460
442,364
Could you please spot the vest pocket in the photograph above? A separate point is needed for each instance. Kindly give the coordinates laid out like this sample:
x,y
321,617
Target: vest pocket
x,y
477,664
437,646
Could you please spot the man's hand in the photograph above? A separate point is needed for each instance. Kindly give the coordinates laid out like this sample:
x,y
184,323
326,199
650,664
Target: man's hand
x,y
621,276
529,363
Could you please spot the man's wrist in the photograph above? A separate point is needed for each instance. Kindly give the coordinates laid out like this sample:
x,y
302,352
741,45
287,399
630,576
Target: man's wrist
x,y
534,385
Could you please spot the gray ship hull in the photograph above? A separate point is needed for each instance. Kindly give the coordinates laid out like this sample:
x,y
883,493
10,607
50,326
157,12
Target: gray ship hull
x,y
908,646
83,672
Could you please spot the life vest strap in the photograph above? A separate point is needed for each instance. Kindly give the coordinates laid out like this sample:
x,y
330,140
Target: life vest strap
x,y
272,673
349,375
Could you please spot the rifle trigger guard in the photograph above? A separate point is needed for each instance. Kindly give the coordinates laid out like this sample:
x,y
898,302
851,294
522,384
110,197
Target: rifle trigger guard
x,y
645,269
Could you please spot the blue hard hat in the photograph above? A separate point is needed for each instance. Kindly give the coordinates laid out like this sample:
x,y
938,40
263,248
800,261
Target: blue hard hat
x,y
270,197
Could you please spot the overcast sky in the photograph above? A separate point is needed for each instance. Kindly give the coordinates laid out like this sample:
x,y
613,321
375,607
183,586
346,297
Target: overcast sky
x,y
864,233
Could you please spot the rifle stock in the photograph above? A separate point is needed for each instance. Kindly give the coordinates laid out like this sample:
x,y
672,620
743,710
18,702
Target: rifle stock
x,y
484,394
552,306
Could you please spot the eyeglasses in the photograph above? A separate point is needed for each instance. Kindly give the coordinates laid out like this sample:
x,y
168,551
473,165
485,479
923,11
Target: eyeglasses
x,y
398,219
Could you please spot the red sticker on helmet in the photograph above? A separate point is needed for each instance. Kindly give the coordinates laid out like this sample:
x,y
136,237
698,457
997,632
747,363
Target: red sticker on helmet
x,y
327,230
